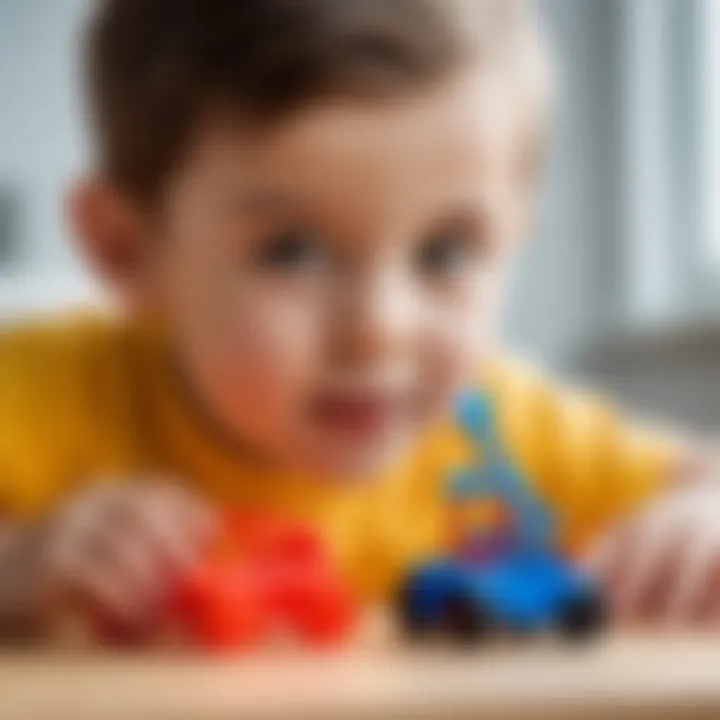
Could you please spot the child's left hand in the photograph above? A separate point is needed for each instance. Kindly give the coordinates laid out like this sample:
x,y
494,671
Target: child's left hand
x,y
663,565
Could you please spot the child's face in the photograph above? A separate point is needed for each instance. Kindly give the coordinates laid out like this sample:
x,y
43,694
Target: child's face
x,y
330,283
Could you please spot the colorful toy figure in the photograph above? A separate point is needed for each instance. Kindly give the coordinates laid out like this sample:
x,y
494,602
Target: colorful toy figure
x,y
265,577
505,571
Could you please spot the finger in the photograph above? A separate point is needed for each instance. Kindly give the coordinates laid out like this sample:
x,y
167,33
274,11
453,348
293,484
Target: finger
x,y
201,518
120,567
135,561
611,562
651,601
652,543
103,546
79,533
80,518
172,525
691,588
649,562
606,559
707,609
101,584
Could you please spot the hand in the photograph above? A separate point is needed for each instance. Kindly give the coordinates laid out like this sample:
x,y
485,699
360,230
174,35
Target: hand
x,y
663,566
119,547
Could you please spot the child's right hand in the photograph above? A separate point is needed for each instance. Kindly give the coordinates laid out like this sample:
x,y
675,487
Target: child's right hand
x,y
120,547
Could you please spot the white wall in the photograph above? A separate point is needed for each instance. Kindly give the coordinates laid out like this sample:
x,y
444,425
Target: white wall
x,y
40,131
569,289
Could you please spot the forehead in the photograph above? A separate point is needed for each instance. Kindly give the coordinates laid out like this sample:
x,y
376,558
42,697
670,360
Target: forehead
x,y
459,131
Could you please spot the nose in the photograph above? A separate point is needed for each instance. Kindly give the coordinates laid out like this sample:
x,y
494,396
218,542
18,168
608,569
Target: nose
x,y
377,315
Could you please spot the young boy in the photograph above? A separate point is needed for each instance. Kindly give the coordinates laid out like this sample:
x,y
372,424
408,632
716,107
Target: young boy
x,y
305,209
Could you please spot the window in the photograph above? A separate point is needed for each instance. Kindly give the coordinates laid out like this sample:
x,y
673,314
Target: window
x,y
8,227
710,54
672,154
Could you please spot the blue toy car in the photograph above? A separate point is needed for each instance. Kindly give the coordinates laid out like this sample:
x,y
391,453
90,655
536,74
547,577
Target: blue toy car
x,y
520,591
517,581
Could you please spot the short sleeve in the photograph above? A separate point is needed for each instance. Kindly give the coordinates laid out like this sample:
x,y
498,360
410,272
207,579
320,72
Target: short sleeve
x,y
63,409
32,426
589,462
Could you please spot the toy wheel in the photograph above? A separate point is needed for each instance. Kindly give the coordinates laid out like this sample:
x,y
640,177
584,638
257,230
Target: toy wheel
x,y
412,625
465,621
584,617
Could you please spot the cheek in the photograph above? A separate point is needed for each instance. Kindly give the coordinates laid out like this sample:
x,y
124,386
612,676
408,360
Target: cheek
x,y
270,340
460,333
260,353
248,347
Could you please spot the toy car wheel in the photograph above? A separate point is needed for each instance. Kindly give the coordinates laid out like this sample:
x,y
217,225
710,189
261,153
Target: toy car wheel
x,y
412,625
584,616
465,621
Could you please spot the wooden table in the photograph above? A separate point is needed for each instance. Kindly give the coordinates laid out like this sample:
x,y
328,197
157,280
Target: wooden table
x,y
621,677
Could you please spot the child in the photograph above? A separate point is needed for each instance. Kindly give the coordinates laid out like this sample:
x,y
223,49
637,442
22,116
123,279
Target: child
x,y
305,209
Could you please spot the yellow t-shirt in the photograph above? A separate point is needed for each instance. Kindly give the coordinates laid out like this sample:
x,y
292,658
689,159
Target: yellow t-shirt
x,y
90,399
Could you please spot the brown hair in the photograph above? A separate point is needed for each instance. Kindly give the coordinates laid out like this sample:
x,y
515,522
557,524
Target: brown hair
x,y
156,66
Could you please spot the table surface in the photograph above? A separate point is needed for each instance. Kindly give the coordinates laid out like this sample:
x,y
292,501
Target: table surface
x,y
628,675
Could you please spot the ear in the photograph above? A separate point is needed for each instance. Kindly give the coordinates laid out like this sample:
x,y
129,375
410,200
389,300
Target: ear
x,y
111,233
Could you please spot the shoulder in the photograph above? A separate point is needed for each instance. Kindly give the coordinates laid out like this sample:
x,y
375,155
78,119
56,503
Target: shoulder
x,y
530,408
62,387
69,331
508,382
507,376
39,354
527,393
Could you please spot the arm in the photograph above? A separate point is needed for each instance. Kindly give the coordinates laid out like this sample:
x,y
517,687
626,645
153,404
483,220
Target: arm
x,y
21,605
662,563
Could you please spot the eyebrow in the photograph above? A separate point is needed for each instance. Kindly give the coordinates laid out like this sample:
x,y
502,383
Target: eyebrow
x,y
268,201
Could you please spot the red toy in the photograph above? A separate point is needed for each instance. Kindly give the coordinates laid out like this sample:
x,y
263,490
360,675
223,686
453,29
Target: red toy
x,y
265,577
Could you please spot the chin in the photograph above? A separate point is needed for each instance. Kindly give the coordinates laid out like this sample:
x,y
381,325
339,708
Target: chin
x,y
360,464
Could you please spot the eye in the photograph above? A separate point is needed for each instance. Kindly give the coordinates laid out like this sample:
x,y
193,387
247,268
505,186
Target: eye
x,y
290,251
444,253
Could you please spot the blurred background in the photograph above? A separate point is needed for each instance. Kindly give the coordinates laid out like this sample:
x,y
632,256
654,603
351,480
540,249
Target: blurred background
x,y
621,287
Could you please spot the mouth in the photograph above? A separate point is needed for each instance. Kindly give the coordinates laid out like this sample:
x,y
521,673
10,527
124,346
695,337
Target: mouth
x,y
359,416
